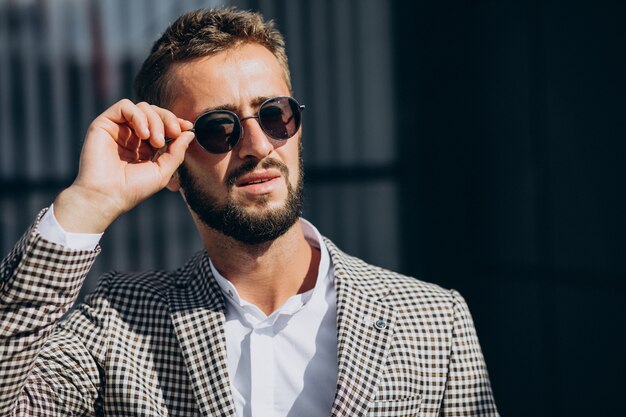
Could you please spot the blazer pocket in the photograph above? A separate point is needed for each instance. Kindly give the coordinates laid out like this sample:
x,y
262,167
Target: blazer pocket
x,y
406,407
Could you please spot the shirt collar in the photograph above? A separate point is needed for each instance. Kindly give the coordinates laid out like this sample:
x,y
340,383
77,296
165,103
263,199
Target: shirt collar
x,y
294,303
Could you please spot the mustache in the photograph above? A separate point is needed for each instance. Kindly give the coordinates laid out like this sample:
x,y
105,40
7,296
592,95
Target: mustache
x,y
251,165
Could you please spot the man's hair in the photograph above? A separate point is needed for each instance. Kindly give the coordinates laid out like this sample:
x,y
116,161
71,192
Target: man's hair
x,y
203,33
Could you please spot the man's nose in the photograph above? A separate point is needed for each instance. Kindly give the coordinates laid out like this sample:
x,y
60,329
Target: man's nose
x,y
254,143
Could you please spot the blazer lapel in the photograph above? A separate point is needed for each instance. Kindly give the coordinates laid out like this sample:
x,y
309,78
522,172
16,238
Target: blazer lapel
x,y
197,312
364,330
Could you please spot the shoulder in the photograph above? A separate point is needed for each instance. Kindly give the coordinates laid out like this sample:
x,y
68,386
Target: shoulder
x,y
146,286
394,288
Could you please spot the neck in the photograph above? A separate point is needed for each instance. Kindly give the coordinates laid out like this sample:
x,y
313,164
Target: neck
x,y
265,274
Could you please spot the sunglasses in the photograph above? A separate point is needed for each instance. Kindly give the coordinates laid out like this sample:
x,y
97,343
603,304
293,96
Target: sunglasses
x,y
219,131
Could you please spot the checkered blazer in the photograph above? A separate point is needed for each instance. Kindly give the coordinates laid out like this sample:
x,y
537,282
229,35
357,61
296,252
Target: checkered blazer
x,y
153,344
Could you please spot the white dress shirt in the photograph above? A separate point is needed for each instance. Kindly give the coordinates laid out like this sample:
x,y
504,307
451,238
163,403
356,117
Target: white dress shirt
x,y
284,364
50,229
281,365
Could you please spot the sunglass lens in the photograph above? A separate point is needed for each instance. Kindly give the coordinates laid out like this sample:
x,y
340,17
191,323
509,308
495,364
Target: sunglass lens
x,y
280,117
217,131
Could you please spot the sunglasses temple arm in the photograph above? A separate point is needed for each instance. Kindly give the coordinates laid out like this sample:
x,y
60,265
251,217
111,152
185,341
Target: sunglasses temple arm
x,y
167,142
170,140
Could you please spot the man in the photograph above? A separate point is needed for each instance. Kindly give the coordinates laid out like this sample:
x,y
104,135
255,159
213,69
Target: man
x,y
271,319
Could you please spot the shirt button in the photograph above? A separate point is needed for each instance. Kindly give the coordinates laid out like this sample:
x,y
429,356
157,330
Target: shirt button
x,y
380,324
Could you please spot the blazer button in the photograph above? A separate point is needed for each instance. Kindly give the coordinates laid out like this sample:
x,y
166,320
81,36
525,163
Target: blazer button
x,y
380,324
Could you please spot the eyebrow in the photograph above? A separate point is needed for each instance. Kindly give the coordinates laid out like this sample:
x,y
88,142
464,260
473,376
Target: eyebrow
x,y
256,102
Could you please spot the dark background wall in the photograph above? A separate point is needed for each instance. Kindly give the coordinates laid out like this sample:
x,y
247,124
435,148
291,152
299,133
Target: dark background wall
x,y
512,144
475,144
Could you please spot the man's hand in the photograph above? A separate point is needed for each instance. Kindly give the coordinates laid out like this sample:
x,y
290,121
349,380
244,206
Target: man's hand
x,y
122,164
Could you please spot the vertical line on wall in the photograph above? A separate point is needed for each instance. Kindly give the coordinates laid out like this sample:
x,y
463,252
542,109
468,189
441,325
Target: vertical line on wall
x,y
544,243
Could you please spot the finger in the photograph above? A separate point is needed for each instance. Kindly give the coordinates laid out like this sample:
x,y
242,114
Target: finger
x,y
170,159
171,123
126,112
185,124
155,124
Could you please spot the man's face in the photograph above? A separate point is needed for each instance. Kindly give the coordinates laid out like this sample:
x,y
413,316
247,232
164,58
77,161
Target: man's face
x,y
254,192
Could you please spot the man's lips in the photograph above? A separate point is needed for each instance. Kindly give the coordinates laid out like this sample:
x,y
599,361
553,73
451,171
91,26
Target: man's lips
x,y
254,178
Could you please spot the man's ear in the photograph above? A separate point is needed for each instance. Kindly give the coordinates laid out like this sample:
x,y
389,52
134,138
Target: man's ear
x,y
174,184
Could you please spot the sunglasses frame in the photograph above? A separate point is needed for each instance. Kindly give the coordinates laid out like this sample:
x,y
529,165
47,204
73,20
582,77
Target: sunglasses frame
x,y
238,120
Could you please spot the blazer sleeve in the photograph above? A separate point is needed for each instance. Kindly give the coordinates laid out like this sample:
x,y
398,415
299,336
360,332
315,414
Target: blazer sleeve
x,y
41,365
468,390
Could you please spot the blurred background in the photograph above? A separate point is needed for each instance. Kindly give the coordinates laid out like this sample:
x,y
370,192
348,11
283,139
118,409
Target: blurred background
x,y
476,144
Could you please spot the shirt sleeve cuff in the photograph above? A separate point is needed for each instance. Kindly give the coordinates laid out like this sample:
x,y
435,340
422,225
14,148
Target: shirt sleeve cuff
x,y
50,229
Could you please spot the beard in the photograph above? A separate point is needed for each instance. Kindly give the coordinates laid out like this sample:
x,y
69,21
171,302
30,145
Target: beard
x,y
235,221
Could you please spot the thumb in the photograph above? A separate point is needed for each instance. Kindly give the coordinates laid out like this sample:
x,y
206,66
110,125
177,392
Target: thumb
x,y
174,155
